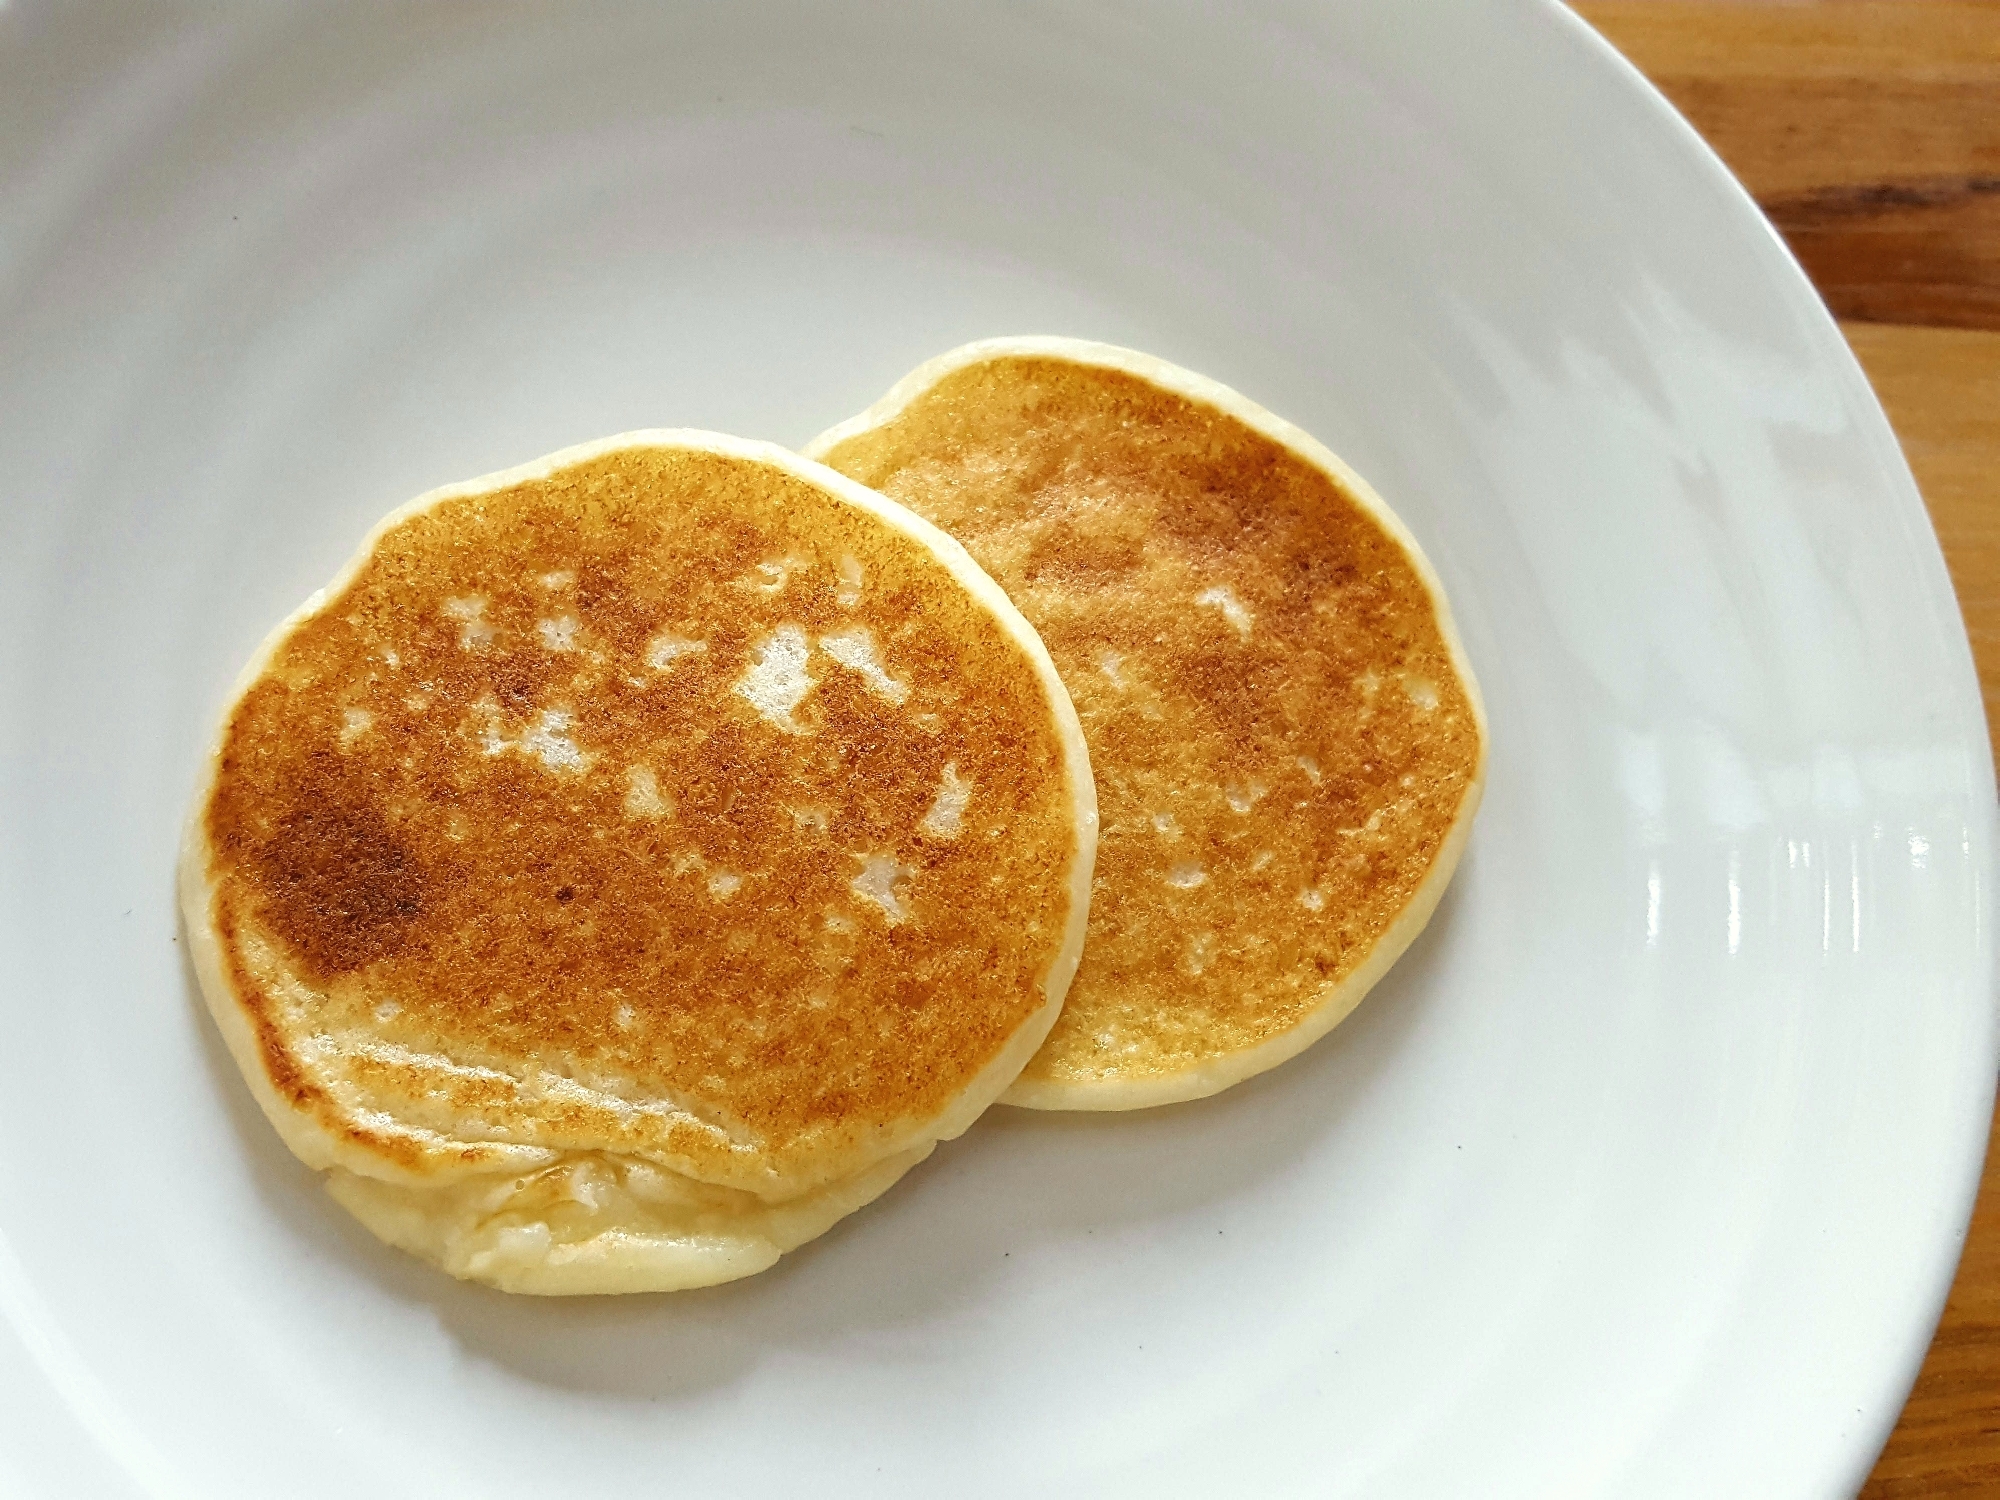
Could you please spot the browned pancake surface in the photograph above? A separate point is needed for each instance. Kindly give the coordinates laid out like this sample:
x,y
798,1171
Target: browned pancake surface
x,y
486,809
1280,738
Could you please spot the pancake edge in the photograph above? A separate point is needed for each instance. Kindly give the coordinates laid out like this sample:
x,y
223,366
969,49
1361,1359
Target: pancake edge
x,y
615,1260
1338,1002
302,1124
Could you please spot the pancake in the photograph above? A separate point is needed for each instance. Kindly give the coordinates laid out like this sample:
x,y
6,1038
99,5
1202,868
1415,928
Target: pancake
x,y
636,861
1288,742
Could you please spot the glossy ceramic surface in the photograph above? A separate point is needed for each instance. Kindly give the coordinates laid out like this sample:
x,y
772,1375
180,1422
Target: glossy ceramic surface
x,y
1642,1175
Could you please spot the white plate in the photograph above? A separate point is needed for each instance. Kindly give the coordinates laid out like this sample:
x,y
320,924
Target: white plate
x,y
1644,1173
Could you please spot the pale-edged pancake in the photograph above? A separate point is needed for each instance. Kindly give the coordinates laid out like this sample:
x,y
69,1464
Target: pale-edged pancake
x,y
636,861
1288,741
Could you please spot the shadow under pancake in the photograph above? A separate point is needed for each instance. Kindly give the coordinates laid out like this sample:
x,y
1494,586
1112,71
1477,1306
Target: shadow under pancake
x,y
1019,1183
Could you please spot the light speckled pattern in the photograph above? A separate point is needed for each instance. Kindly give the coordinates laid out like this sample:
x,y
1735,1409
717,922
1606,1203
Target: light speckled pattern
x,y
571,871
1287,739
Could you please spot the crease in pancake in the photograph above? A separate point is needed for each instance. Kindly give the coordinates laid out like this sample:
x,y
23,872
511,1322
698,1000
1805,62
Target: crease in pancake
x,y
1288,740
612,1224
577,965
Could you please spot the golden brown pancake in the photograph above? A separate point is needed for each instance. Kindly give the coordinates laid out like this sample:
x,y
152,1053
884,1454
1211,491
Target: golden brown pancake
x,y
636,861
1287,739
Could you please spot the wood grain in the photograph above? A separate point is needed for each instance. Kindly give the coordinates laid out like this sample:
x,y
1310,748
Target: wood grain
x,y
1870,133
1941,388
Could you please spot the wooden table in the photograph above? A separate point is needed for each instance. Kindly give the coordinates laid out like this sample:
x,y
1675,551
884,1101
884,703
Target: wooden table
x,y
1870,133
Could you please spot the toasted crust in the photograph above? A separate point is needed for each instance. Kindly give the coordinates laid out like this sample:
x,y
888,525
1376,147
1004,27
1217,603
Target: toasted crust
x,y
1288,739
587,829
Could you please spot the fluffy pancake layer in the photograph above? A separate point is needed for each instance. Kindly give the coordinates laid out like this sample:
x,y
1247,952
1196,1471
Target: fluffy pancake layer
x,y
1288,742
636,861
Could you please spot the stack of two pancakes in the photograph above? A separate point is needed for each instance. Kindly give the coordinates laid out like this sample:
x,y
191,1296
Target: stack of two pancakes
x,y
636,862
